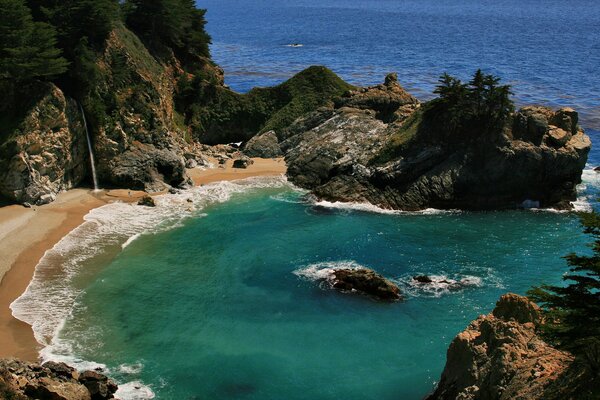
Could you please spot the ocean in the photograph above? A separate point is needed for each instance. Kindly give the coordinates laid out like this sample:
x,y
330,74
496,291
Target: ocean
x,y
221,298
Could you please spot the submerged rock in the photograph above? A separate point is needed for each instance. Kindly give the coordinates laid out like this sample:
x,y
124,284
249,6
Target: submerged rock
x,y
367,282
147,201
501,357
422,279
52,381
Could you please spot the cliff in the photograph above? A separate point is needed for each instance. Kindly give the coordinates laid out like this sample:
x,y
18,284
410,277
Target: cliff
x,y
379,145
45,151
501,356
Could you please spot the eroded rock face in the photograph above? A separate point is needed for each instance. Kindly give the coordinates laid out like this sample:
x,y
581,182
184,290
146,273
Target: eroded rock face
x,y
47,152
361,151
500,357
365,281
52,381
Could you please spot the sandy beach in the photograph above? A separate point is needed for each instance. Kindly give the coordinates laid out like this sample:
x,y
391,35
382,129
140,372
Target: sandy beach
x,y
27,233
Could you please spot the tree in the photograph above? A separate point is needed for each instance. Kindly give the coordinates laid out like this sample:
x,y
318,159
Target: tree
x,y
480,106
27,48
177,24
573,311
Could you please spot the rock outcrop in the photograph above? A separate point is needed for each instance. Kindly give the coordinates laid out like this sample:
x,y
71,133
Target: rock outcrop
x,y
46,152
52,381
377,145
500,356
365,281
265,145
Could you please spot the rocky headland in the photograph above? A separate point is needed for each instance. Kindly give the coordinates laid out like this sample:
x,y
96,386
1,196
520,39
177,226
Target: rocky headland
x,y
501,356
380,145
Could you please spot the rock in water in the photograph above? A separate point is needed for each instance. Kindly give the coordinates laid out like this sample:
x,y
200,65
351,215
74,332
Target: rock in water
x,y
242,162
52,381
501,357
367,282
422,279
147,201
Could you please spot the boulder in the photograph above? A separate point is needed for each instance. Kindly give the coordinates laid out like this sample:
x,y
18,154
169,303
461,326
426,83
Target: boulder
x,y
367,282
265,145
500,357
147,201
242,162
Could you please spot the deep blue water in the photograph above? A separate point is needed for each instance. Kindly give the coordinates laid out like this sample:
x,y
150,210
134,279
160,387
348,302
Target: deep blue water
x,y
216,302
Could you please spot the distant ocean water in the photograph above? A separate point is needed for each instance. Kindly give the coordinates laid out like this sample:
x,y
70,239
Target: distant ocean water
x,y
219,300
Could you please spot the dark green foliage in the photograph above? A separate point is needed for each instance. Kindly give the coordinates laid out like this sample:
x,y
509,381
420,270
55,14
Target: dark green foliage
x,y
27,48
76,19
218,115
177,24
478,107
573,311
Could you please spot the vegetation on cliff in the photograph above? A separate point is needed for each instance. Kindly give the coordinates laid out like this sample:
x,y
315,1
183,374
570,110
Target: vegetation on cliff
x,y
219,115
573,311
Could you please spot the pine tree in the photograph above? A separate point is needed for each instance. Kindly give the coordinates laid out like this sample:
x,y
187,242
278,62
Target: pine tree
x,y
27,48
573,311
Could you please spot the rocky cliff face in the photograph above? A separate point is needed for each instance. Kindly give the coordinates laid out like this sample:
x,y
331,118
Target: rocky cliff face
x,y
52,381
140,142
500,356
377,146
47,152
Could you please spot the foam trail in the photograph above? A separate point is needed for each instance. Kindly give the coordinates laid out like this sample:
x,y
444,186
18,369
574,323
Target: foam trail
x,y
368,207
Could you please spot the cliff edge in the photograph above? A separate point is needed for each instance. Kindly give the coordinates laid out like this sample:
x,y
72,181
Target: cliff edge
x,y
500,356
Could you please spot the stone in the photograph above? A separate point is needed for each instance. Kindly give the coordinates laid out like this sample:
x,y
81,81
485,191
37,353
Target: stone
x,y
558,137
191,163
147,201
45,199
367,282
52,381
242,162
265,145
422,279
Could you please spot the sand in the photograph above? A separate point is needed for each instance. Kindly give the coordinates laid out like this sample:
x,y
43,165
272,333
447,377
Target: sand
x,y
27,233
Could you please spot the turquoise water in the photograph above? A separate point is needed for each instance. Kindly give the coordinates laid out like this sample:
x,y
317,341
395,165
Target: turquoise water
x,y
220,307
217,299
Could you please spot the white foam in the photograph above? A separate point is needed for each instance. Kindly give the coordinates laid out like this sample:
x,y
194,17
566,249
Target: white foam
x,y
131,369
324,270
135,390
368,207
131,240
587,190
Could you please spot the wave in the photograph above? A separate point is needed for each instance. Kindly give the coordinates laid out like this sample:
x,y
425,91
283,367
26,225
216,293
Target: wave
x,y
52,293
368,207
135,390
438,285
323,271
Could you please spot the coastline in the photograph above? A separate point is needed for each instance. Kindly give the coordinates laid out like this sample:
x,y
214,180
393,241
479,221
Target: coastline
x,y
26,235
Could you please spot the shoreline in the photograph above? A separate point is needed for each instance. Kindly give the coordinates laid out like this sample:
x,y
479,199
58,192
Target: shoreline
x,y
26,235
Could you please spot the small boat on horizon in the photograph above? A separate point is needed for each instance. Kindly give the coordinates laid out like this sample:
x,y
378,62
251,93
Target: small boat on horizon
x,y
295,45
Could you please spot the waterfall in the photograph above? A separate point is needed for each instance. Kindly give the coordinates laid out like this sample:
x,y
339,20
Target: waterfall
x,y
90,149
